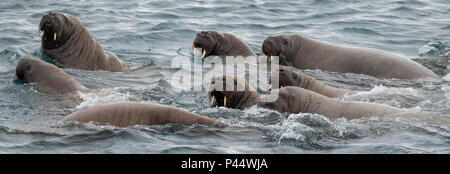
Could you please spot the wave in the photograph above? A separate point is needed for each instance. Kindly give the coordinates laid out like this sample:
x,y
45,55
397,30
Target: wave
x,y
103,96
437,48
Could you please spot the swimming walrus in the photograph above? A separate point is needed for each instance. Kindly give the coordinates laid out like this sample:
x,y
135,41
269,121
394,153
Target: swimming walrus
x,y
47,76
131,113
291,100
232,92
305,53
289,77
298,100
67,42
213,43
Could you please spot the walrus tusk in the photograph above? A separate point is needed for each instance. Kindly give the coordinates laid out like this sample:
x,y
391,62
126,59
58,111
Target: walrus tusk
x,y
203,54
225,101
212,100
42,34
54,36
281,86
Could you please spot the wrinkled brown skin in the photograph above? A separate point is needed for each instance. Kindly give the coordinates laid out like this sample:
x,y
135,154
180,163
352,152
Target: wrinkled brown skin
x,y
239,93
47,76
221,44
305,53
298,100
289,77
130,113
293,100
74,46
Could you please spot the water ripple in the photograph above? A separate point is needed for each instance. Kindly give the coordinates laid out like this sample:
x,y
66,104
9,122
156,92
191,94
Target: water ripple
x,y
151,34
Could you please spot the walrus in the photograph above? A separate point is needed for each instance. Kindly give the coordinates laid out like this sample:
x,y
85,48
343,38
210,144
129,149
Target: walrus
x,y
47,76
232,92
289,77
291,100
305,53
298,100
68,43
213,43
131,113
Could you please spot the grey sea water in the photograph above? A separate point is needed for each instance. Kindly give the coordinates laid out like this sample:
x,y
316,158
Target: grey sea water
x,y
151,34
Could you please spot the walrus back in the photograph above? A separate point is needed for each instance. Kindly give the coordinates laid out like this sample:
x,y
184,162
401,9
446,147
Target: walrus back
x,y
312,54
237,47
382,64
130,113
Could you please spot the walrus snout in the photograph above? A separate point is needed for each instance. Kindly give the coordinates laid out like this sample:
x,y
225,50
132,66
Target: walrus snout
x,y
200,38
206,40
47,21
217,91
232,92
269,47
286,78
50,26
22,67
217,98
222,90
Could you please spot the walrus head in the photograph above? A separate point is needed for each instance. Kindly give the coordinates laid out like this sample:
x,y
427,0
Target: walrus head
x,y
54,29
207,42
286,77
287,99
47,77
281,46
25,68
232,92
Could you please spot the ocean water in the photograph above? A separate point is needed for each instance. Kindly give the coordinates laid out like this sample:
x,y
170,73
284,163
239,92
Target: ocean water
x,y
151,34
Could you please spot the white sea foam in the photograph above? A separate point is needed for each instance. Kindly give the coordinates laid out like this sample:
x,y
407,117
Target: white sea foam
x,y
3,69
384,93
104,96
446,77
377,90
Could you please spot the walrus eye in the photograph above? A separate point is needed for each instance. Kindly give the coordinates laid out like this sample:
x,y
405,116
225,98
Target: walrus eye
x,y
284,40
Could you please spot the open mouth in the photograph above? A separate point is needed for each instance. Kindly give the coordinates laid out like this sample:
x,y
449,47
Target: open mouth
x,y
196,49
43,33
217,99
